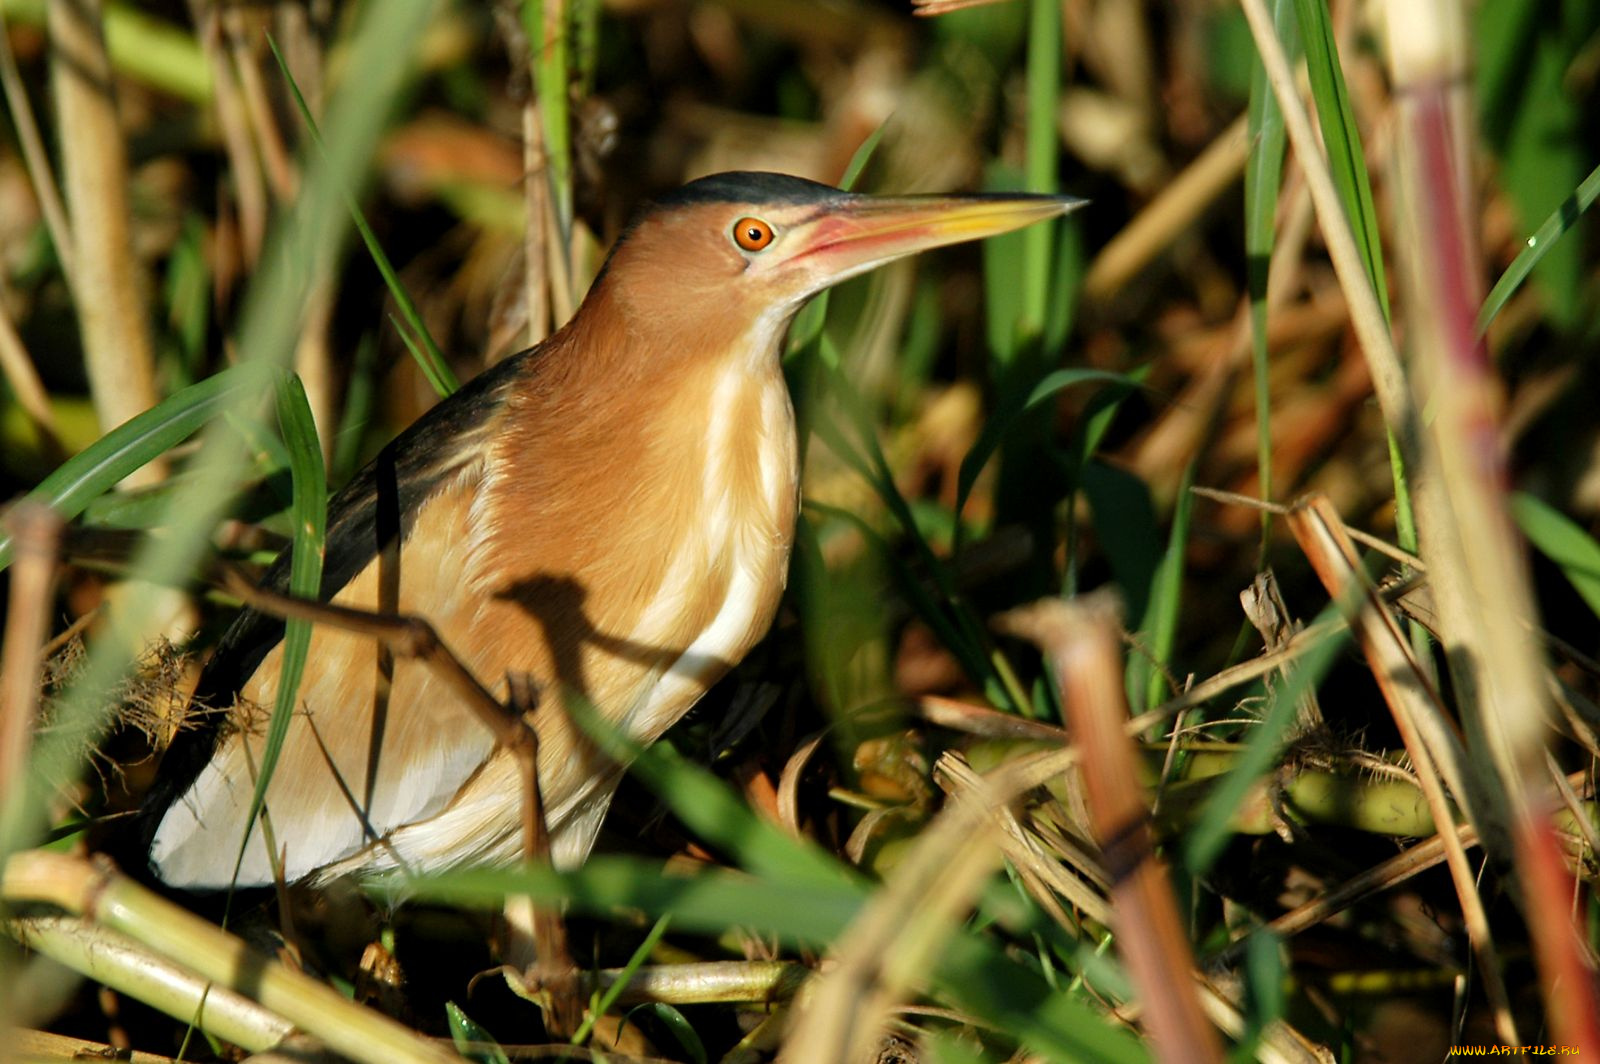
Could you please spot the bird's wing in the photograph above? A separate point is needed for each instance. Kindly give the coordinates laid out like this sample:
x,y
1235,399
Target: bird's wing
x,y
378,505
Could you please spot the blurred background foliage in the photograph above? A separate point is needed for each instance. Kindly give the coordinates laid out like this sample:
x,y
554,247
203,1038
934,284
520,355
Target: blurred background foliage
x,y
983,427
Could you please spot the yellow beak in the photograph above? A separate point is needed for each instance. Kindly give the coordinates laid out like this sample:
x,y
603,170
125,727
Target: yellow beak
x,y
853,234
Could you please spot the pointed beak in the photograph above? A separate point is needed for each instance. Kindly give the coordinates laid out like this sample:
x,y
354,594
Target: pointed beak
x,y
853,234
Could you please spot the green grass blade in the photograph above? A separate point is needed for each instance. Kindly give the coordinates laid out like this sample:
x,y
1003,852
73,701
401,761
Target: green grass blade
x,y
1263,176
1341,138
1347,162
431,360
551,81
1003,420
471,1039
874,466
1563,541
614,991
1160,629
137,442
1564,218
1043,155
1204,841
310,514
806,332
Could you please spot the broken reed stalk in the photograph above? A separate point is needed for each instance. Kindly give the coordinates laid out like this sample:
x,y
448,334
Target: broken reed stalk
x,y
97,891
1477,564
1048,880
1083,643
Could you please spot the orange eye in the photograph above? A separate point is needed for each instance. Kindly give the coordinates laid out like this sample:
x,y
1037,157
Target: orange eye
x,y
752,234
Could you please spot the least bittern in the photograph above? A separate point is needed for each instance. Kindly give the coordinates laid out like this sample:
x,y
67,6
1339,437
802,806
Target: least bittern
x,y
609,513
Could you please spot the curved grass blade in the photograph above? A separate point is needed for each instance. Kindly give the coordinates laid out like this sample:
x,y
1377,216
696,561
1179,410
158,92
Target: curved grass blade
x,y
377,62
1539,244
996,428
1563,541
471,1039
103,464
310,514
1341,137
614,991
429,357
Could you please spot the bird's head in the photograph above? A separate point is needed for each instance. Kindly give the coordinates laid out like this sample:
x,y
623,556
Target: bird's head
x,y
738,253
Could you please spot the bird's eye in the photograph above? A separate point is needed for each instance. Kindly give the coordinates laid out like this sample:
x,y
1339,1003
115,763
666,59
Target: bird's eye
x,y
752,234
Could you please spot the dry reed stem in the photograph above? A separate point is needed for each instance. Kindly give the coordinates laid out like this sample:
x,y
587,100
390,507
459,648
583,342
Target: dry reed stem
x,y
276,159
1082,641
707,982
1366,315
98,892
1418,715
537,282
1479,574
114,960
24,380
34,155
36,539
94,160
250,190
1166,217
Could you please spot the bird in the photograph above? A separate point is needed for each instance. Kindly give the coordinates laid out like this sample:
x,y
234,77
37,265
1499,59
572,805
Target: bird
x,y
608,514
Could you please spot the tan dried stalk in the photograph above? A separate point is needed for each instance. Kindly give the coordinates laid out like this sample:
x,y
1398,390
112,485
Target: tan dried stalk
x,y
111,308
1083,642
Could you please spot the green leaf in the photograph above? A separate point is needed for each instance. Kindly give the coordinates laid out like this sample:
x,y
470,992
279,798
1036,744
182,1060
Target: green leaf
x,y
1535,118
1203,842
1560,222
137,442
1160,628
1263,176
1341,138
614,991
1003,420
309,511
682,1030
1563,541
1125,528
472,1040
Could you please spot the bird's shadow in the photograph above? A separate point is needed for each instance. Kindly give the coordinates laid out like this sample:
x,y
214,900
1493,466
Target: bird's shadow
x,y
558,605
